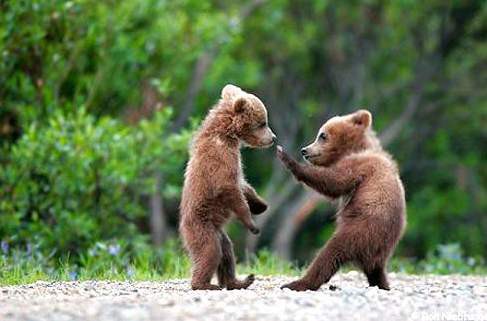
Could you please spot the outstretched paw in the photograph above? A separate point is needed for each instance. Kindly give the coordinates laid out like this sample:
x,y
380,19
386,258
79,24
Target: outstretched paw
x,y
281,153
285,158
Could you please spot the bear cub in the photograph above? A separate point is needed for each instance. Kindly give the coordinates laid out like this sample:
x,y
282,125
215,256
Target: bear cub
x,y
346,163
215,187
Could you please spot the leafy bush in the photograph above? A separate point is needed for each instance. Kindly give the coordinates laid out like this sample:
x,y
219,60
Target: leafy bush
x,y
61,54
81,180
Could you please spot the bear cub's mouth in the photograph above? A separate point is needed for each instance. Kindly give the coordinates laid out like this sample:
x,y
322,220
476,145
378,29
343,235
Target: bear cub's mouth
x,y
267,145
308,157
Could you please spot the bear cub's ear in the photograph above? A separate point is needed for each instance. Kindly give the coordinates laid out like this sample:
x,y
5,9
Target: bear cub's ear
x,y
362,118
240,105
230,91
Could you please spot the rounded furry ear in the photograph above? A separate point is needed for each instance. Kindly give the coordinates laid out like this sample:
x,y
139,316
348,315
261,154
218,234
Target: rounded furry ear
x,y
362,118
240,105
230,91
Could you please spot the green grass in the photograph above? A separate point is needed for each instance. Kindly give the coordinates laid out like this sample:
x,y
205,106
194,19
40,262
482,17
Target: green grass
x,y
112,262
266,263
103,261
106,262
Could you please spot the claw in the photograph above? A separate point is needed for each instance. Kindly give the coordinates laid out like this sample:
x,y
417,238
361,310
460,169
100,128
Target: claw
x,y
254,230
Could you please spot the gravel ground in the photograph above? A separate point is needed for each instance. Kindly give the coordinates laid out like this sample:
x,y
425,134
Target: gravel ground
x,y
412,298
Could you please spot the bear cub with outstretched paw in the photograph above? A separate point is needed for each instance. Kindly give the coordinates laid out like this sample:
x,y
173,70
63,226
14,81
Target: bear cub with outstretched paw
x,y
215,187
346,163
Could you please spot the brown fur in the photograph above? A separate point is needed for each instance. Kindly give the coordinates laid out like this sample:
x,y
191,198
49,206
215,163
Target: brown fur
x,y
348,164
215,187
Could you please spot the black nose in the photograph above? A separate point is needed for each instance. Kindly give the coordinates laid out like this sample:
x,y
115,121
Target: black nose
x,y
304,152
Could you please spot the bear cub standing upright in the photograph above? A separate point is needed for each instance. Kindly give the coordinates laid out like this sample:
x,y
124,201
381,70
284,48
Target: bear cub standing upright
x,y
347,163
215,187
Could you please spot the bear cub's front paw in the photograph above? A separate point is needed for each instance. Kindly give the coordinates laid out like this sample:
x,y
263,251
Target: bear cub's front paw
x,y
284,157
257,207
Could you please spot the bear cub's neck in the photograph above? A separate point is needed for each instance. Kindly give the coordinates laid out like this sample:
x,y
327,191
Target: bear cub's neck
x,y
216,129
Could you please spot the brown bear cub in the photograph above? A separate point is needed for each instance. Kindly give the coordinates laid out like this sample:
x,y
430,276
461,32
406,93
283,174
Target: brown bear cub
x,y
347,164
215,187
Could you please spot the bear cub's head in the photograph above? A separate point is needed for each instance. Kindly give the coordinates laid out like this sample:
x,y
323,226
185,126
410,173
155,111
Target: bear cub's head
x,y
247,118
341,136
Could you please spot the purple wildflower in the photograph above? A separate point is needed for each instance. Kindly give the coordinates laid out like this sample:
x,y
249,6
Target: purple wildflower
x,y
5,247
114,249
73,275
130,272
29,249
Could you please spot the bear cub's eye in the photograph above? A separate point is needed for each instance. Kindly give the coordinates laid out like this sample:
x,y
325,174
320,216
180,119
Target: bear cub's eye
x,y
262,125
322,136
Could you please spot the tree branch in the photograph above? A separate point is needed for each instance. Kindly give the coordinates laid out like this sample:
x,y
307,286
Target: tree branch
x,y
424,72
275,200
293,218
204,62
201,67
392,132
158,224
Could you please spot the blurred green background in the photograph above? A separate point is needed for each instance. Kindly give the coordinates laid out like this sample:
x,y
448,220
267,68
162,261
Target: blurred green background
x,y
98,101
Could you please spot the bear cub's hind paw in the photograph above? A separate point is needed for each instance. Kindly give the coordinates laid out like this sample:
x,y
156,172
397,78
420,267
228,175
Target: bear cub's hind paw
x,y
299,285
239,285
210,287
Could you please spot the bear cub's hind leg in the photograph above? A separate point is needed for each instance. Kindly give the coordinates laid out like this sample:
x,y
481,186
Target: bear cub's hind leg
x,y
206,257
226,268
377,277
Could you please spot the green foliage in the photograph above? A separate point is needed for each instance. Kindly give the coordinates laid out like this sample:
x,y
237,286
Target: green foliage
x,y
72,177
80,180
101,54
444,259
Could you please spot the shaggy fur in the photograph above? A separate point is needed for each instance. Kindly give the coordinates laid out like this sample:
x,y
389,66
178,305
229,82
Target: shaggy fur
x,y
215,187
348,164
